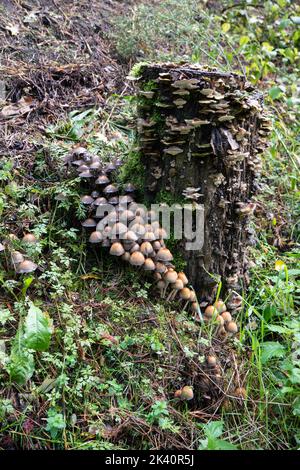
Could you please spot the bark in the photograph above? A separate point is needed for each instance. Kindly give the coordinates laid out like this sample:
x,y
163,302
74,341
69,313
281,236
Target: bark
x,y
204,129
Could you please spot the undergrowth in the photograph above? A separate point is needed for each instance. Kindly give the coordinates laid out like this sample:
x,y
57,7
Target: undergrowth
x,y
111,354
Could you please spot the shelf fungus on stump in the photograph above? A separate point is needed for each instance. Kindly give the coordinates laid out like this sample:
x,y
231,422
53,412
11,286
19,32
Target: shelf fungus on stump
x,y
203,146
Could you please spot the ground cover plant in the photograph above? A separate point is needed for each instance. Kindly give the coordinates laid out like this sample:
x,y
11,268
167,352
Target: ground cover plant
x,y
90,357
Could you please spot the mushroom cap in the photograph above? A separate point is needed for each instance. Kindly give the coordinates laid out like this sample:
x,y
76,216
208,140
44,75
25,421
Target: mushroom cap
x,y
149,236
130,236
26,266
96,237
193,297
177,394
160,267
157,276
82,168
211,360
17,257
187,393
155,225
138,229
185,293
124,200
170,276
79,151
102,180
164,255
110,168
95,194
89,223
119,229
137,259
177,285
29,238
116,249
87,200
226,316
100,201
85,174
95,165
138,219
149,265
110,189
77,163
129,188
195,306
126,216
231,327
241,392
156,245
183,278
114,200
126,256
210,311
134,248
161,285
220,320
146,248
220,306
161,233
140,211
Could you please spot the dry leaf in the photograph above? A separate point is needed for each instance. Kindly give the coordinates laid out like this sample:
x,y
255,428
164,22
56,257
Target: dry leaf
x,y
23,106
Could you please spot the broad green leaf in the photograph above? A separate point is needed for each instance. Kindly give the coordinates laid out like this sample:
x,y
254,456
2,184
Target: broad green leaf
x,y
21,361
225,27
225,445
37,329
271,349
213,429
275,92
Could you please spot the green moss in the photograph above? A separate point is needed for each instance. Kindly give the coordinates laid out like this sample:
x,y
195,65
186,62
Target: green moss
x,y
133,171
137,69
151,85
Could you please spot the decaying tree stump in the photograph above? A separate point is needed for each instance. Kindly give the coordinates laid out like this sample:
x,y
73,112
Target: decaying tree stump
x,y
204,130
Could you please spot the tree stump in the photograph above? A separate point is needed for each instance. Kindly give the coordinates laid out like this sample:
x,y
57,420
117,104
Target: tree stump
x,y
200,133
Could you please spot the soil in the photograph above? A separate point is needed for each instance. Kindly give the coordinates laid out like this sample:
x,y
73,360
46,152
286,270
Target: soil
x,y
54,58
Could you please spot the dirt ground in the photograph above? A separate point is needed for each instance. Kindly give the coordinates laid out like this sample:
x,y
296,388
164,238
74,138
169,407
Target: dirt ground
x,y
54,58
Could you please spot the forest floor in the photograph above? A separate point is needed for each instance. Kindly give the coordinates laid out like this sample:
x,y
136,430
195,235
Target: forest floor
x,y
117,354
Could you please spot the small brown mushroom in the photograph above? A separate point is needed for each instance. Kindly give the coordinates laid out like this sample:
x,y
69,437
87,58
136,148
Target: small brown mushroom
x,y
116,249
187,393
29,238
137,258
26,266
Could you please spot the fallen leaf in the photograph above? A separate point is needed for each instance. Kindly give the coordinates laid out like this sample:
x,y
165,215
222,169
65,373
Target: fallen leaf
x,y
23,106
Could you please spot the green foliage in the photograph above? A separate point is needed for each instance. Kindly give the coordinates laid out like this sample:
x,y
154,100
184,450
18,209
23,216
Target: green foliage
x,y
213,431
37,329
21,362
55,423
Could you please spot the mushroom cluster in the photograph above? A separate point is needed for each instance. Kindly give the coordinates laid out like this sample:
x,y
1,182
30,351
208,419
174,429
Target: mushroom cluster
x,y
18,260
90,167
219,314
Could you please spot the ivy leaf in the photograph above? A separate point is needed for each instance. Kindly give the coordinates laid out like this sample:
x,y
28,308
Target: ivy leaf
x,y
37,329
271,349
21,361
